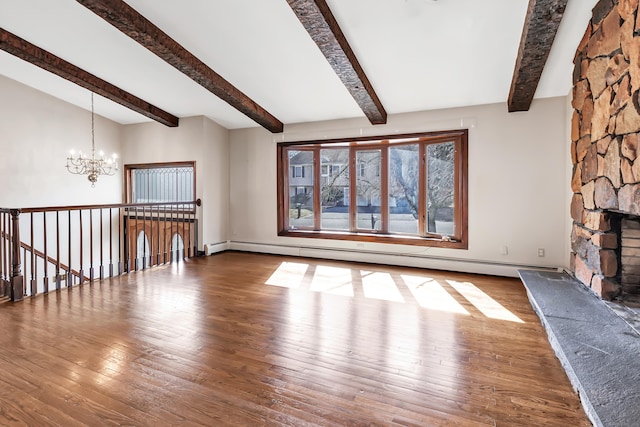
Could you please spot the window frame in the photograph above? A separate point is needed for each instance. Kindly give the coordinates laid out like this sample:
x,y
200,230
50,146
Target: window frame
x,y
458,241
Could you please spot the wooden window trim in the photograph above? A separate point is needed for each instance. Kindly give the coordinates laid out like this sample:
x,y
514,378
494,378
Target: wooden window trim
x,y
460,138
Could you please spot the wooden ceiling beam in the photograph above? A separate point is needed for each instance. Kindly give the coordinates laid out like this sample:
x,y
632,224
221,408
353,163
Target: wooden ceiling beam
x,y
540,28
29,52
130,22
317,19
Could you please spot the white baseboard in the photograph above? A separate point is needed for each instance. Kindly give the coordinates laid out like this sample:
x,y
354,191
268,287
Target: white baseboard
x,y
420,261
212,248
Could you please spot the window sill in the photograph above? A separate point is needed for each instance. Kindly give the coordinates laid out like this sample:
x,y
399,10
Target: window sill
x,y
376,238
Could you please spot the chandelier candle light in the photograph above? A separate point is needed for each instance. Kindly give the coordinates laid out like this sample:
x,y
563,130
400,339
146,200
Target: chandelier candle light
x,y
92,166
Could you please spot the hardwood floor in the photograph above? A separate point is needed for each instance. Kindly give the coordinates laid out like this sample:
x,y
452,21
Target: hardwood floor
x,y
249,340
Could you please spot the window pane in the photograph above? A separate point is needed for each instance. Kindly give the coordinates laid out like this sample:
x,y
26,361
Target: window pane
x,y
440,188
334,188
300,189
163,184
368,185
403,189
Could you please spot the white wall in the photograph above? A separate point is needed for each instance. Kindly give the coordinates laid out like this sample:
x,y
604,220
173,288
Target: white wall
x,y
215,191
517,194
37,132
567,182
518,168
195,139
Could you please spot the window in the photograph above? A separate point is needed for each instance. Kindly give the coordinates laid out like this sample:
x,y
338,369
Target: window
x,y
409,189
297,171
160,182
334,189
300,189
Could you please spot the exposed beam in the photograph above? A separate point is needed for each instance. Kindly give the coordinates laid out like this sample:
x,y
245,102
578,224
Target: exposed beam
x,y
21,48
317,19
130,22
539,31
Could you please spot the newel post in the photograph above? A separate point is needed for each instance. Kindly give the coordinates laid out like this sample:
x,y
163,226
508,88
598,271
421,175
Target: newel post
x,y
17,280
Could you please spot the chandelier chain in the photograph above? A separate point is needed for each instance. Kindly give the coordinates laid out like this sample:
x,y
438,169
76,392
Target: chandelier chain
x,y
93,132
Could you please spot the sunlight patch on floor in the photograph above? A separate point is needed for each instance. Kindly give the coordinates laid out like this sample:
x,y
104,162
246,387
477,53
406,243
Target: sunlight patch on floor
x,y
288,275
430,294
378,285
426,291
483,302
332,280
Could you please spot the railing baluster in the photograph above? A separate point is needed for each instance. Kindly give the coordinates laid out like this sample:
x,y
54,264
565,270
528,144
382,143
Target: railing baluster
x,y
185,231
3,268
17,280
91,276
157,223
6,259
134,239
24,269
145,238
34,284
194,243
172,249
110,242
45,279
121,237
6,254
151,236
58,250
184,239
34,265
167,247
69,263
164,235
101,248
139,257
81,228
189,236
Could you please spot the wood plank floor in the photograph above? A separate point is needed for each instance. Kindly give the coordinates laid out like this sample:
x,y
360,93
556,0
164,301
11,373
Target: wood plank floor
x,y
241,339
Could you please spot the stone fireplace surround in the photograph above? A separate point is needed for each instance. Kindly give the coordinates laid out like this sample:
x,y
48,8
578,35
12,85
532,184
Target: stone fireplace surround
x,y
605,130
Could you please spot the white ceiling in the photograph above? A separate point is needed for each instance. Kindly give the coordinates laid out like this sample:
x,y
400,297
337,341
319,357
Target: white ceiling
x,y
418,54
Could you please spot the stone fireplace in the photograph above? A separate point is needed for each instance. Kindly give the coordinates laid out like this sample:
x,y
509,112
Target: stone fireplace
x,y
604,149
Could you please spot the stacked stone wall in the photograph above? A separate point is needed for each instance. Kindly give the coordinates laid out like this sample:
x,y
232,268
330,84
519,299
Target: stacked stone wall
x,y
604,140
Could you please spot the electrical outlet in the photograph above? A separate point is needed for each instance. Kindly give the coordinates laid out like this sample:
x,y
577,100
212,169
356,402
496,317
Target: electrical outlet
x,y
540,252
504,250
360,245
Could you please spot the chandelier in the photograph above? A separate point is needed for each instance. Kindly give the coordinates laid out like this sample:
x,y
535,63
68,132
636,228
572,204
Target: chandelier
x,y
93,167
